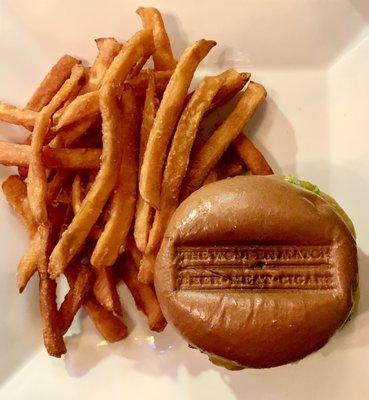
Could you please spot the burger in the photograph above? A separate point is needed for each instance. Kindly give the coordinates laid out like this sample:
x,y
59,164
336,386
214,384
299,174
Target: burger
x,y
257,271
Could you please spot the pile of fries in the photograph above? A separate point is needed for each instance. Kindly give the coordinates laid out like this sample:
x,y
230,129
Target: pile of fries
x,y
112,151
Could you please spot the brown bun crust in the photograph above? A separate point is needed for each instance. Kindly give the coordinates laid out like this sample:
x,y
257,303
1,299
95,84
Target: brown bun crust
x,y
256,270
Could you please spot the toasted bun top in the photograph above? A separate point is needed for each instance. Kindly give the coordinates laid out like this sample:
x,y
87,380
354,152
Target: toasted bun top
x,y
255,270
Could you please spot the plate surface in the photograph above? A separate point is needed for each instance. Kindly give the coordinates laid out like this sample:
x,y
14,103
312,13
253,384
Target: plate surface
x,y
313,57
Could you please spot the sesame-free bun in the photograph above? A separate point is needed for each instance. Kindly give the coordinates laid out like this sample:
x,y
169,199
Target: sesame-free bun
x,y
255,270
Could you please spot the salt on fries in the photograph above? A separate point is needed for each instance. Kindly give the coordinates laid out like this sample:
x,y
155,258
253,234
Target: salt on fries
x,y
112,151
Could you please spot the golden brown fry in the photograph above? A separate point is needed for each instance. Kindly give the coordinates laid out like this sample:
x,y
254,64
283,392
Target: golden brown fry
x,y
28,263
77,195
53,338
110,326
52,83
140,82
229,165
108,49
134,252
218,143
56,184
36,183
144,211
166,119
144,296
146,272
15,191
75,297
78,230
163,56
12,154
67,136
251,156
83,106
123,202
212,177
17,116
105,290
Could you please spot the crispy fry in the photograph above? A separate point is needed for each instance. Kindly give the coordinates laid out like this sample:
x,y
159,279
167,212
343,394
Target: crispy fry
x,y
144,211
74,298
133,250
28,263
105,290
140,82
77,195
216,145
12,154
67,136
78,230
56,185
17,116
146,272
229,165
110,326
85,105
163,56
123,202
144,296
108,49
212,177
166,118
251,156
15,191
37,184
52,83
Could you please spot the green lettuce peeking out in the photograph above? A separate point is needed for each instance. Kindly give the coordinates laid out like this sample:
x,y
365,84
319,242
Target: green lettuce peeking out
x,y
335,206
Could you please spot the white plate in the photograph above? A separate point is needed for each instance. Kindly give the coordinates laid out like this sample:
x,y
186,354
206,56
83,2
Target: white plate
x,y
313,57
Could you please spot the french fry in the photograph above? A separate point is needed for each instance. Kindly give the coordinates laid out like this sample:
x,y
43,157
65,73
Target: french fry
x,y
105,290
52,82
17,116
73,238
163,56
123,201
15,191
144,211
85,105
218,143
144,295
212,177
110,326
139,83
28,263
166,119
37,184
108,50
229,165
12,154
77,195
74,298
56,184
251,156
146,271
179,153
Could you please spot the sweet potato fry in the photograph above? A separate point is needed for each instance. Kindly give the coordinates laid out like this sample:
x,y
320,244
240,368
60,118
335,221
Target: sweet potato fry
x,y
216,145
163,56
12,154
166,119
15,191
17,116
144,295
78,230
251,156
75,297
105,290
123,202
144,212
36,183
52,83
